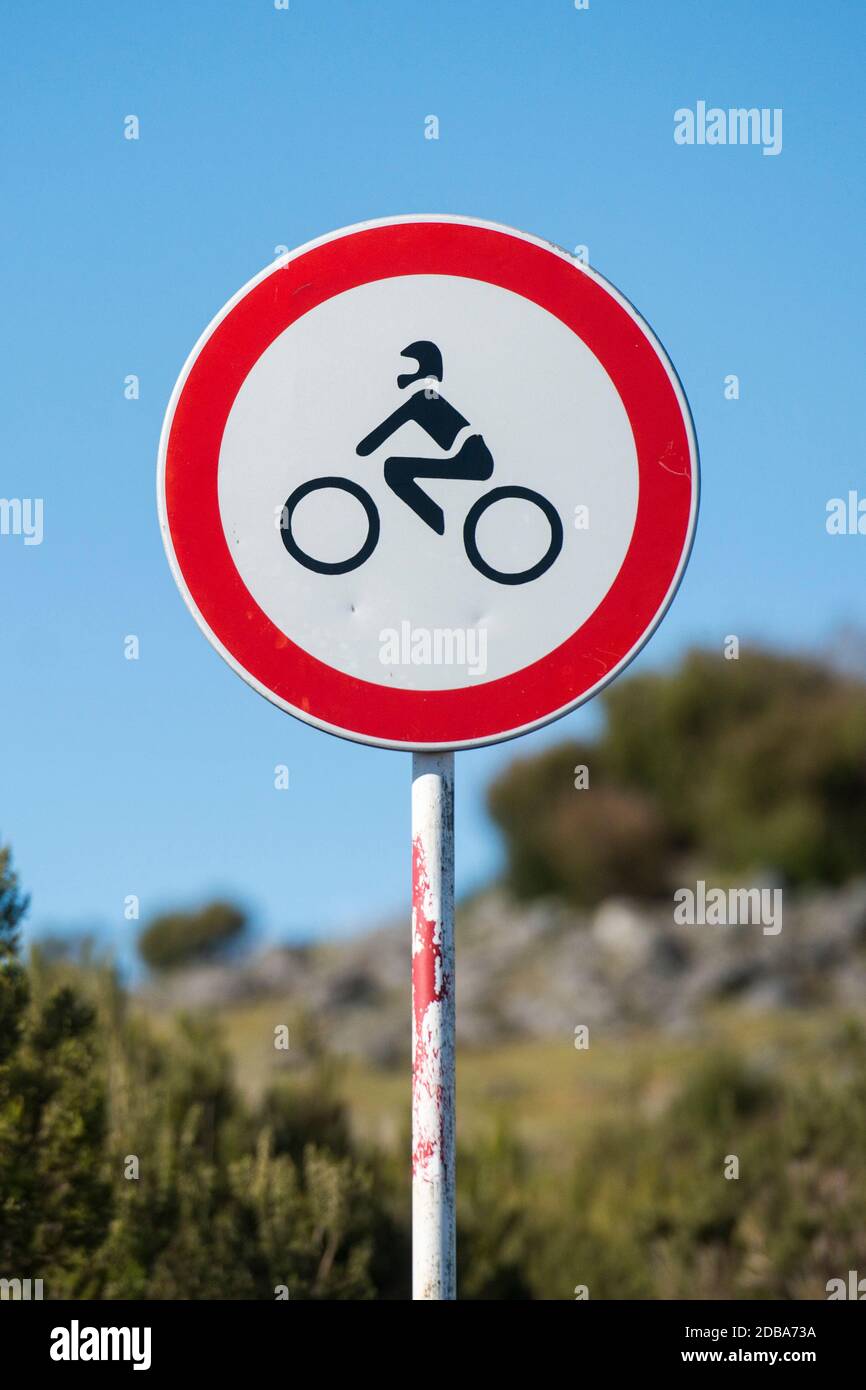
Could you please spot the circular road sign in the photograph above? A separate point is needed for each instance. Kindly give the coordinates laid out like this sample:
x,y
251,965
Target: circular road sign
x,y
428,482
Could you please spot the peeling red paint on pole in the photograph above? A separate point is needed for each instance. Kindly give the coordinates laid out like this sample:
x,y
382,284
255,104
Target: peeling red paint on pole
x,y
433,1026
430,985
427,983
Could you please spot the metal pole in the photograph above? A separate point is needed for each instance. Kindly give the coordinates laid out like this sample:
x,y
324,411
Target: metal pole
x,y
433,1218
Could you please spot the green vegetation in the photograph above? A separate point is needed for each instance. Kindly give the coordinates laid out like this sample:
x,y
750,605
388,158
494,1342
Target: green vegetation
x,y
130,1165
733,766
52,1117
654,1215
184,938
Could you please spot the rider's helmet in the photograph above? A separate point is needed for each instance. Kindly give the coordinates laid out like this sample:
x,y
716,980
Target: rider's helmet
x,y
429,360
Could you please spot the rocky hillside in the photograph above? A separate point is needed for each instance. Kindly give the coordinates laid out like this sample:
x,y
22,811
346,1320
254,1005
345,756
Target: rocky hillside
x,y
538,971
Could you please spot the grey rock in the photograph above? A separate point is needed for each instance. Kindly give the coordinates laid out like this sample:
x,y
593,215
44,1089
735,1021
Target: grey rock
x,y
539,970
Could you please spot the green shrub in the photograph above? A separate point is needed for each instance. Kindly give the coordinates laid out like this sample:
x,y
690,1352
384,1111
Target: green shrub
x,y
737,766
582,845
130,1167
185,938
651,1213
53,1173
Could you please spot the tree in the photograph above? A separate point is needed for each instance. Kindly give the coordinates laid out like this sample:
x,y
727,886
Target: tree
x,y
53,1192
185,938
13,984
735,766
582,844
131,1168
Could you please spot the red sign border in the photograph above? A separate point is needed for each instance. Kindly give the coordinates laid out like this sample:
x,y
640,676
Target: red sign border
x,y
484,712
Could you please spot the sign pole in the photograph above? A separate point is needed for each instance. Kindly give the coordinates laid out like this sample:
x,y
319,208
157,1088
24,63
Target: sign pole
x,y
433,1030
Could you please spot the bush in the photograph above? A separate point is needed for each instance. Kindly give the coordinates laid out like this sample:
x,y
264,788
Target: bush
x,y
130,1168
582,845
738,766
185,938
653,1215
53,1171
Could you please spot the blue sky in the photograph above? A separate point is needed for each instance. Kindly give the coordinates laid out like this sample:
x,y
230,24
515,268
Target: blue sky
x,y
262,127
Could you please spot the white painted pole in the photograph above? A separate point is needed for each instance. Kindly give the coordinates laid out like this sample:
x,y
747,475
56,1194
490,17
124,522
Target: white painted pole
x,y
433,1043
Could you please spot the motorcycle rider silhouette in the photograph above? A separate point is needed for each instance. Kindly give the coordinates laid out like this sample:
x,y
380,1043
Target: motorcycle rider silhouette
x,y
438,418
473,461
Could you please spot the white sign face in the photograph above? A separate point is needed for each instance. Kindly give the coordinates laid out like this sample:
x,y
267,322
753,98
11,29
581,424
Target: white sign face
x,y
499,352
428,482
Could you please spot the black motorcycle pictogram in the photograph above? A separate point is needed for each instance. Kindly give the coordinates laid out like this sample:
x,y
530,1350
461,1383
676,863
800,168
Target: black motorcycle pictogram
x,y
473,461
